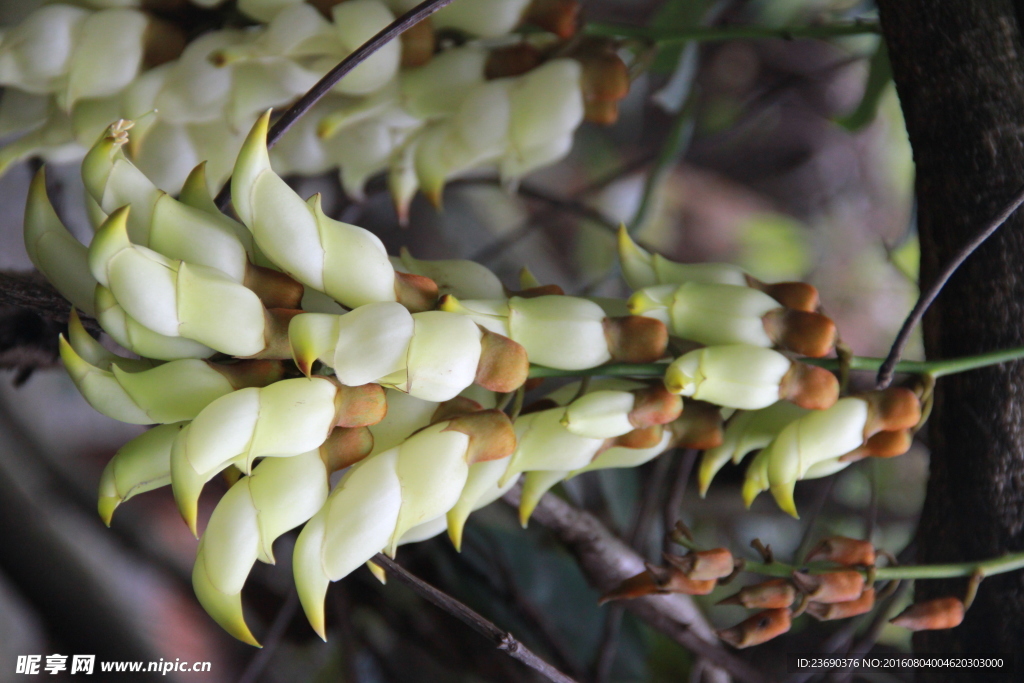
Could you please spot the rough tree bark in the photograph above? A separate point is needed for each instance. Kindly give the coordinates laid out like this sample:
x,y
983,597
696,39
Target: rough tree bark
x,y
959,71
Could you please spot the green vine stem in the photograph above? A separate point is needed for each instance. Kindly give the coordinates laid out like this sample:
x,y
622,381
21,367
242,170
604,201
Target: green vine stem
x,y
717,33
935,368
990,567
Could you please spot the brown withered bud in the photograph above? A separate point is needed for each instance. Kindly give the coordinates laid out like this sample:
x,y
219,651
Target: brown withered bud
x,y
418,293
635,339
841,586
891,409
360,406
842,610
931,615
809,387
418,44
346,446
512,60
700,426
758,629
460,405
560,17
655,406
799,296
703,565
809,334
503,363
274,288
771,594
490,432
162,42
657,581
851,552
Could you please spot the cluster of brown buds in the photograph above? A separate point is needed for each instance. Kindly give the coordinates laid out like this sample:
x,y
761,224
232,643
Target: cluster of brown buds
x,y
840,585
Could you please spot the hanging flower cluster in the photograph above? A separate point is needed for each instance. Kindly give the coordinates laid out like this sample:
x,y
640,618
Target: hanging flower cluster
x,y
287,346
422,109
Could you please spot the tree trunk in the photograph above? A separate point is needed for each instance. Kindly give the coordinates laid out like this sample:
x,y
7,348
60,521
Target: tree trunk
x,y
959,71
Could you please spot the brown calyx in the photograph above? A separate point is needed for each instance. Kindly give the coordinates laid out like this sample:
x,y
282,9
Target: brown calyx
x,y
162,42
274,288
504,365
635,339
360,406
808,334
655,406
809,386
418,44
490,432
891,409
275,333
604,81
799,296
346,446
560,17
416,292
700,426
512,60
460,405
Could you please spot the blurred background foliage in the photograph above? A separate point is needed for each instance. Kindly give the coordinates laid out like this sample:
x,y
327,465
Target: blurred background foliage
x,y
788,157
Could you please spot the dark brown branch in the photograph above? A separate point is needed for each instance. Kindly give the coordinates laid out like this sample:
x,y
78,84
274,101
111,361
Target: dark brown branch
x,y
503,640
254,669
885,372
607,561
331,78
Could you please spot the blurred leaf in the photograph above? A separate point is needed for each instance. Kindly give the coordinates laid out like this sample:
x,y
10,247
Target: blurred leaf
x,y
666,661
773,247
879,77
675,14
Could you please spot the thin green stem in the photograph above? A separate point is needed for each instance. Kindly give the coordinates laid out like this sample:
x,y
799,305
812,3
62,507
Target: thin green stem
x,y
936,368
719,33
990,567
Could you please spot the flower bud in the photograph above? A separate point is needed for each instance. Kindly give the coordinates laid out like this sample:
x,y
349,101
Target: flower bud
x,y
535,485
845,551
932,615
843,610
141,465
458,277
704,565
758,629
892,409
830,587
483,18
658,581
738,376
604,81
138,338
55,251
771,594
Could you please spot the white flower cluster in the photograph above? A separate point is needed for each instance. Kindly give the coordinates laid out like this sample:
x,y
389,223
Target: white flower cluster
x,y
331,357
420,114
